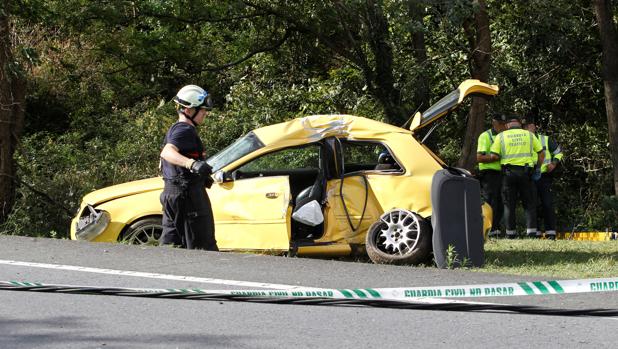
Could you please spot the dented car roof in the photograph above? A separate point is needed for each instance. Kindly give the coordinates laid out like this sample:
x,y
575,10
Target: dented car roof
x,y
316,127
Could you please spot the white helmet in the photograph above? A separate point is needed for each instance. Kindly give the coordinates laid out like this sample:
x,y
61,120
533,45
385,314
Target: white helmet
x,y
193,96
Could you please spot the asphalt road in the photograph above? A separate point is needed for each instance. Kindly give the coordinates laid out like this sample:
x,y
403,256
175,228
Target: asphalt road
x,y
31,320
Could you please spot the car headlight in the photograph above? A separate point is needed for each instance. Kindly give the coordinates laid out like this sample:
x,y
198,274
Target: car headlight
x,y
91,223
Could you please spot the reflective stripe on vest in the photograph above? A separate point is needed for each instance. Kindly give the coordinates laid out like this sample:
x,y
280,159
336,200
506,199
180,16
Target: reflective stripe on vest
x,y
491,137
545,145
549,156
526,158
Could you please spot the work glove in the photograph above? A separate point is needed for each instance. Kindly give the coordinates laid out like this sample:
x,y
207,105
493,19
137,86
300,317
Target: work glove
x,y
208,181
536,175
201,168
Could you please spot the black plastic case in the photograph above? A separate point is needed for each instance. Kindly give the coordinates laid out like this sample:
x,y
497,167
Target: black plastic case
x,y
457,219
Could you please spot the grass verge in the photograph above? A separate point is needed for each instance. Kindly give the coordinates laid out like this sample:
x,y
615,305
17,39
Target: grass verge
x,y
561,259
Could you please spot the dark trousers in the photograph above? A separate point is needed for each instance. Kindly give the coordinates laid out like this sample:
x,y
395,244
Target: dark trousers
x,y
491,189
517,184
187,217
545,202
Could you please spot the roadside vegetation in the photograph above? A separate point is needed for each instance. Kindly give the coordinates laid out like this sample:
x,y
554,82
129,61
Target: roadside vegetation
x,y
561,259
97,77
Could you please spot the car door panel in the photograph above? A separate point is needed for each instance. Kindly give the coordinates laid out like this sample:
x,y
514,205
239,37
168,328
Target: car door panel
x,y
338,226
252,213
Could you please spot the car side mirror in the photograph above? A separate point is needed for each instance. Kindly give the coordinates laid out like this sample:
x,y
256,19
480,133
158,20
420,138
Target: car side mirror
x,y
219,177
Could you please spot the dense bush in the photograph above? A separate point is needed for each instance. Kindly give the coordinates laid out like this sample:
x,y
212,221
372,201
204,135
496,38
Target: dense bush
x,y
56,170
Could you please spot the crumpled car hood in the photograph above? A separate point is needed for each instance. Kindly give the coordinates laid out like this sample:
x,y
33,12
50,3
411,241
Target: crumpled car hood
x,y
124,189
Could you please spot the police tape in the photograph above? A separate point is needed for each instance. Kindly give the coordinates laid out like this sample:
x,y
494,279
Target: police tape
x,y
527,288
463,291
308,297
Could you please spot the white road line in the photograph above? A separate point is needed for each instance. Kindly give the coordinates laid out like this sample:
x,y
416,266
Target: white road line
x,y
151,275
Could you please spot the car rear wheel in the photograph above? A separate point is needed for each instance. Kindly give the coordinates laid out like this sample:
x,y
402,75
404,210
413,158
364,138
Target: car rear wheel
x,y
399,237
146,231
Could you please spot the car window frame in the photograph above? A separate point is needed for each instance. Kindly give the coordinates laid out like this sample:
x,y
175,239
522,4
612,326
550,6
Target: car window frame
x,y
257,145
306,145
338,150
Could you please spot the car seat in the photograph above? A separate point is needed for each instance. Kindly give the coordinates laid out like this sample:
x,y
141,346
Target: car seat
x,y
313,192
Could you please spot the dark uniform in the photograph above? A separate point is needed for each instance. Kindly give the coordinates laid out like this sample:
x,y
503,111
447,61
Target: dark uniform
x,y
516,148
187,213
490,176
545,197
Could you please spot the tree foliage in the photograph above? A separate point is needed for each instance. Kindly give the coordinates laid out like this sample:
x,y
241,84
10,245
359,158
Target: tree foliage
x,y
103,74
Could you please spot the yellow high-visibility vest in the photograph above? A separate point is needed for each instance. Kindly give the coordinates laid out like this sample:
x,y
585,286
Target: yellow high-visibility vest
x,y
516,147
549,155
484,143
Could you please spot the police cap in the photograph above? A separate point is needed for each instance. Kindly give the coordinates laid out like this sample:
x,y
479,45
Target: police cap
x,y
513,117
499,117
529,120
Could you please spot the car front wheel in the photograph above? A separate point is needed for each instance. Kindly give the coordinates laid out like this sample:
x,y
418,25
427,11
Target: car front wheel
x,y
145,231
399,237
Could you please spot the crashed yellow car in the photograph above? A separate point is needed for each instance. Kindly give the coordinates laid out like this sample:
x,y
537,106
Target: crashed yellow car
x,y
318,185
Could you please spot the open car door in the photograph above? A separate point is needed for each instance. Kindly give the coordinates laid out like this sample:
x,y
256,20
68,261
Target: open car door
x,y
252,213
452,101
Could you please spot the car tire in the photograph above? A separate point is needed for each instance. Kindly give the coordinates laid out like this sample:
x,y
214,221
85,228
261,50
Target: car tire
x,y
399,237
145,231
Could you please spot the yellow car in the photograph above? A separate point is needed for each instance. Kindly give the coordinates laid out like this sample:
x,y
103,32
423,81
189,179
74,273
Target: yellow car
x,y
318,185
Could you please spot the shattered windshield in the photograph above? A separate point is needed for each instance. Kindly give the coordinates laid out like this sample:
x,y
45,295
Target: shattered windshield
x,y
243,146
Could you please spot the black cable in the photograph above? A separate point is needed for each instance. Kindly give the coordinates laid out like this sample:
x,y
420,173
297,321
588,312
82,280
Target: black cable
x,y
377,303
345,207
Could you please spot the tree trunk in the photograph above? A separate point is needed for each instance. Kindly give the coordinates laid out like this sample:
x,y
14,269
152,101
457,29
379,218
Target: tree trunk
x,y
384,82
421,92
12,95
609,40
479,39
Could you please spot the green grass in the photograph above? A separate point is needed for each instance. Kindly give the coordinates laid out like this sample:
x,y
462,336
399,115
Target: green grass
x,y
556,259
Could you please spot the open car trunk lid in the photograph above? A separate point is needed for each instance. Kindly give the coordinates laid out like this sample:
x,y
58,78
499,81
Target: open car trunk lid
x,y
451,101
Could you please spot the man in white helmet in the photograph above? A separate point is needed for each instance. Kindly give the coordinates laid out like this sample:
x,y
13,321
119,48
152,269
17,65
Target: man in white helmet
x,y
187,213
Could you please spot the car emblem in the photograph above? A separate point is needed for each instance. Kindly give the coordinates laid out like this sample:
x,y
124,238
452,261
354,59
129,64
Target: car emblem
x,y
272,195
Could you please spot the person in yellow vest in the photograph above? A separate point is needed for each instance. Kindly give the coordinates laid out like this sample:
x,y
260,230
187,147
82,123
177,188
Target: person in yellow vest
x,y
490,172
545,197
515,148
